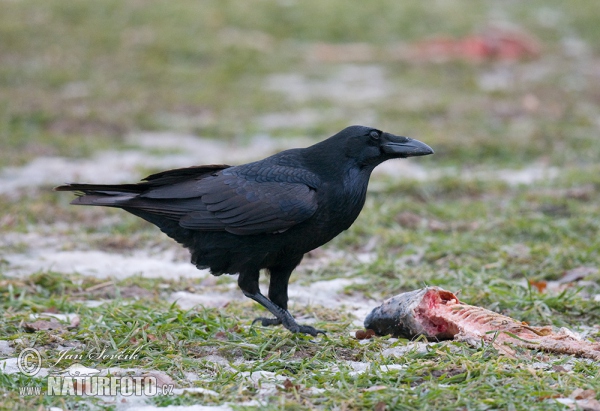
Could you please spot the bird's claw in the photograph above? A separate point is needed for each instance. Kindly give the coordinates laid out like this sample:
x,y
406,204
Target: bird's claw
x,y
307,329
292,326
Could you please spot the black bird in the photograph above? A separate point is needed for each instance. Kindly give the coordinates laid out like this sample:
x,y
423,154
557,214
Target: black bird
x,y
266,214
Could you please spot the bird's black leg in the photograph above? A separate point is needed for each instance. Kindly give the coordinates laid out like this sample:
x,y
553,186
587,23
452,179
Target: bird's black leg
x,y
248,282
278,291
280,278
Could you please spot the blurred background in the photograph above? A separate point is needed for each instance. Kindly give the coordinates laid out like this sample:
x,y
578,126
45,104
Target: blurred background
x,y
484,83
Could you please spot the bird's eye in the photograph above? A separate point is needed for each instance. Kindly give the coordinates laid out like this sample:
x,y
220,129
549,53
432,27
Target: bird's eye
x,y
374,135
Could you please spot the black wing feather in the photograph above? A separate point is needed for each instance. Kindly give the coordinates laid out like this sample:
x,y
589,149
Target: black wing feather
x,y
263,207
251,199
233,201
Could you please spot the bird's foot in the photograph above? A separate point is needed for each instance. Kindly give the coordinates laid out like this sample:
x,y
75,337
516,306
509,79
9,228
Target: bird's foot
x,y
265,322
290,324
282,316
306,329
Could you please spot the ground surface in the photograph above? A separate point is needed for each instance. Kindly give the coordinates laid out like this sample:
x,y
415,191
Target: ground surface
x,y
507,211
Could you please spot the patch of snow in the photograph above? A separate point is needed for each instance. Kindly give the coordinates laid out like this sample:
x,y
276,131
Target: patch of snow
x,y
548,17
194,150
296,119
186,300
101,264
399,351
540,365
112,167
501,78
94,303
565,401
68,317
5,348
527,175
330,294
261,376
321,292
407,169
575,47
266,382
351,83
190,376
358,367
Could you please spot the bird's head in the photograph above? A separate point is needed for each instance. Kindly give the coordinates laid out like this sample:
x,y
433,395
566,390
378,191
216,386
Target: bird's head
x,y
370,147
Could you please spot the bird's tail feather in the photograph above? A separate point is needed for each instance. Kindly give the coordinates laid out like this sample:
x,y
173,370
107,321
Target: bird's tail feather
x,y
104,188
102,194
102,200
116,194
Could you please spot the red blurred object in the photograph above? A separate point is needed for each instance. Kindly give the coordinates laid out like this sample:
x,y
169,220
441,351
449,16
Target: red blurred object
x,y
492,44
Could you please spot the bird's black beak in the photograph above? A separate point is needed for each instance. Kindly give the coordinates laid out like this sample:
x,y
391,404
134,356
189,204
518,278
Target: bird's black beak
x,y
403,147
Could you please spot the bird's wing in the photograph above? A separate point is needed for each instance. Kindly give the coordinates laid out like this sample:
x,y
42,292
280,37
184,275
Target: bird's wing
x,y
236,202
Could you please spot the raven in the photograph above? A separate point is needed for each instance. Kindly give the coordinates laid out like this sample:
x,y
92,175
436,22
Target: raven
x,y
261,215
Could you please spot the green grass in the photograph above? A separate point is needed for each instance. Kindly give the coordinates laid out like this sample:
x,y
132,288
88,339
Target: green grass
x,y
445,376
490,263
77,77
